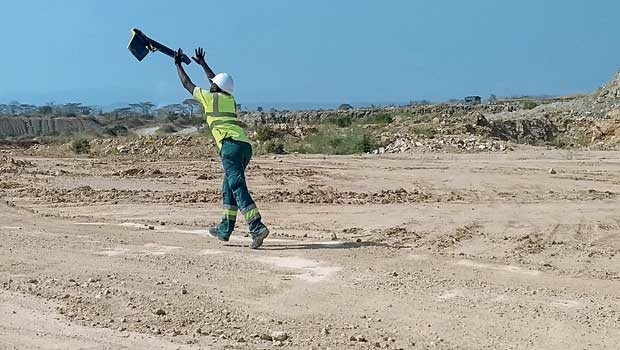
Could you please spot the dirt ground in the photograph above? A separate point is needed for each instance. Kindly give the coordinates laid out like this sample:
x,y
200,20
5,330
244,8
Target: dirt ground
x,y
428,251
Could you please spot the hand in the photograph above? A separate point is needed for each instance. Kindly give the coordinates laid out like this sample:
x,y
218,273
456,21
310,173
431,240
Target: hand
x,y
178,57
200,56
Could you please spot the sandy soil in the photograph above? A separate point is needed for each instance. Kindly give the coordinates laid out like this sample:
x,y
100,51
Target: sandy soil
x,y
485,251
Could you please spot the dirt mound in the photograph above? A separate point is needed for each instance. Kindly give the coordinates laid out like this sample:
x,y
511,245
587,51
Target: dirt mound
x,y
309,195
283,176
166,147
87,194
313,195
143,147
12,165
145,173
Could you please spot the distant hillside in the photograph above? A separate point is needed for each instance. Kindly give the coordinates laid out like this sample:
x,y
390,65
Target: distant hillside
x,y
18,126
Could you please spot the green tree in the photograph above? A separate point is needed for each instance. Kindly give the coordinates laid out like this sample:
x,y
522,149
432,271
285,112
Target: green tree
x,y
173,110
121,112
27,109
192,105
72,108
14,107
143,108
46,110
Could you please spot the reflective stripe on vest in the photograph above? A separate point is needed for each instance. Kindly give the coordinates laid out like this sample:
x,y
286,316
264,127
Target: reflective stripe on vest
x,y
216,108
227,121
221,117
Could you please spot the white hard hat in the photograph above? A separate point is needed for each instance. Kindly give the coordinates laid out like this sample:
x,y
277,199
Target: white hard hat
x,y
225,82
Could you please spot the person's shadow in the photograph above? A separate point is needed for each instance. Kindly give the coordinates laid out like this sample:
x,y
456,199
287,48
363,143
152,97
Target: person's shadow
x,y
317,245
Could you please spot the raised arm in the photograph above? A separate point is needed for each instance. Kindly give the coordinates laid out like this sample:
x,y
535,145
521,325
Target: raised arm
x,y
200,59
185,80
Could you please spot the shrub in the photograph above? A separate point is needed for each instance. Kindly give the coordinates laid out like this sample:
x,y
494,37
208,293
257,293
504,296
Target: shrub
x,y
80,146
181,122
116,130
166,129
274,147
331,141
265,133
198,120
341,122
382,118
530,105
367,144
134,122
423,130
172,117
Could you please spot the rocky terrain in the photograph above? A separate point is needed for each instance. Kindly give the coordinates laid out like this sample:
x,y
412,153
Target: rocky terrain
x,y
467,227
591,121
514,249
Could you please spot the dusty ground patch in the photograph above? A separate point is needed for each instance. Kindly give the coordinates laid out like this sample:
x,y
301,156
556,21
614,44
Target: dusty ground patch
x,y
413,252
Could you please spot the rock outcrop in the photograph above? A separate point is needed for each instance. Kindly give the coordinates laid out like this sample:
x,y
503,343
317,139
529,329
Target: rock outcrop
x,y
321,116
610,91
531,131
11,126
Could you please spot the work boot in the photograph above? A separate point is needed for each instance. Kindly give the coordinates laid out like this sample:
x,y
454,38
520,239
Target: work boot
x,y
224,230
257,239
213,232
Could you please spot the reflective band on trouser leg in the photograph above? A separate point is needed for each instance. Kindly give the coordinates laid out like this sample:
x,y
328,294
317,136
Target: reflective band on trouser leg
x,y
230,215
251,213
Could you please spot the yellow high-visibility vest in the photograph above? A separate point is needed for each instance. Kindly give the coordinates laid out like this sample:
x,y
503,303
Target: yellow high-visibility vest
x,y
221,115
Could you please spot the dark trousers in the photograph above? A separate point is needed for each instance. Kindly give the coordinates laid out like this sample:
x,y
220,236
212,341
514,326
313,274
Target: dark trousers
x,y
236,156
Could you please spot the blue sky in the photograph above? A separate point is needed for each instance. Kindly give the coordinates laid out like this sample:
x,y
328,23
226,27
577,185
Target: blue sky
x,y
316,51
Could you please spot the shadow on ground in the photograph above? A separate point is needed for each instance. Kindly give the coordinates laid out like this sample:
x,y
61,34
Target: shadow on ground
x,y
313,246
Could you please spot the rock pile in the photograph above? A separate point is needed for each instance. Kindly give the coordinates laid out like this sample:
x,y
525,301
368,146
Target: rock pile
x,y
443,144
158,147
143,147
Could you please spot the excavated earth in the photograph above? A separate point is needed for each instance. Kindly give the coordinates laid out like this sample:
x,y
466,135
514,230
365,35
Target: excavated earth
x,y
501,250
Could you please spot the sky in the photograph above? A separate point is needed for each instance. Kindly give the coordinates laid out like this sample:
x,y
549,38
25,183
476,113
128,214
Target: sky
x,y
319,51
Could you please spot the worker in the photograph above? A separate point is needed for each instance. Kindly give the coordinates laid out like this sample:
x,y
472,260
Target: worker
x,y
235,149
